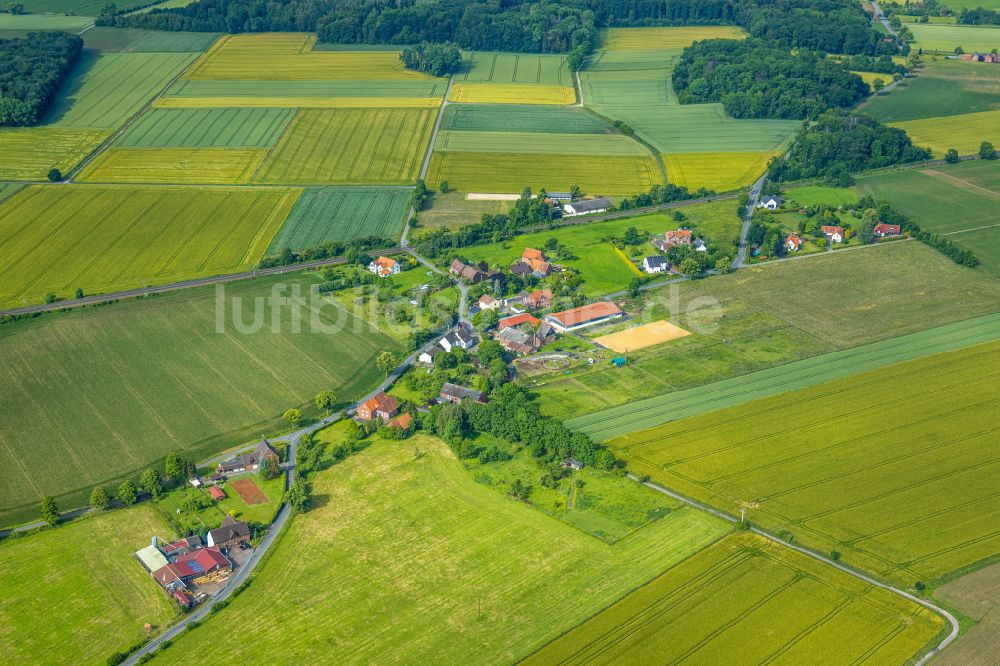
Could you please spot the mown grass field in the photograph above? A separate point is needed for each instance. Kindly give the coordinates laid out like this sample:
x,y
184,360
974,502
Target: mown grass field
x,y
593,145
511,172
193,166
29,153
76,593
497,579
511,93
651,412
747,596
108,88
963,132
777,313
941,88
322,215
946,38
207,128
35,22
716,171
125,40
901,485
111,390
488,67
290,57
58,238
647,39
378,146
959,200
534,119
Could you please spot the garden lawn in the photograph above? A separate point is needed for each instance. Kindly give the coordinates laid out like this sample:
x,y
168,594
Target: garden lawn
x,y
30,153
196,166
359,146
207,128
60,238
497,579
322,215
904,492
112,390
76,593
750,597
941,88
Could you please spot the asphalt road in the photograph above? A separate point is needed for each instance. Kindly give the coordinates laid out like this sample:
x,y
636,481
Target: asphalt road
x,y
741,252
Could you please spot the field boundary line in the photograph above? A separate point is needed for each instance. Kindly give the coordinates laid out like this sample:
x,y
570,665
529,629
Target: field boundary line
x,y
965,231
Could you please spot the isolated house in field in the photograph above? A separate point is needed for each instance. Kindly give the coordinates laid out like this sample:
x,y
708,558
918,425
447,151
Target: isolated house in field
x,y
584,316
192,565
793,243
384,267
456,394
537,261
655,264
672,239
882,230
246,462
379,406
230,534
771,201
586,206
835,234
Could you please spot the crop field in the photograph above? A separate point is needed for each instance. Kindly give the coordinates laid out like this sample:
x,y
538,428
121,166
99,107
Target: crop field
x,y
747,596
382,146
511,93
613,88
646,39
167,4
322,215
304,94
486,67
219,166
340,575
535,119
942,88
901,487
35,22
510,172
125,40
106,89
778,313
716,171
76,593
806,373
289,57
207,128
29,153
593,145
946,38
975,594
83,7
963,132
58,238
111,390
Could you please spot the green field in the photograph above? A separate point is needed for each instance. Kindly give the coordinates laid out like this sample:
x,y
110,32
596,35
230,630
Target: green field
x,y
958,200
593,145
941,88
58,238
190,166
375,90
28,153
946,38
84,7
322,215
815,195
113,389
357,146
76,593
894,468
526,118
777,313
650,412
41,22
746,596
207,128
125,40
667,38
963,132
108,88
452,210
486,67
496,579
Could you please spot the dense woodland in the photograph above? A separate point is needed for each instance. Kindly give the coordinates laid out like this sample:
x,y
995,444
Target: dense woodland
x,y
840,142
755,79
31,71
435,59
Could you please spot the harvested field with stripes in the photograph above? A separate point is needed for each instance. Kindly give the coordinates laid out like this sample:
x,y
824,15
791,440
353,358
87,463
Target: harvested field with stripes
x,y
112,390
58,238
197,166
534,119
487,67
322,215
29,153
377,146
894,468
207,128
511,93
747,596
716,171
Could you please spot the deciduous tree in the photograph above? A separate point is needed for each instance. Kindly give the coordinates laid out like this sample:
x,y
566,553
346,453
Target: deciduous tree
x,y
99,498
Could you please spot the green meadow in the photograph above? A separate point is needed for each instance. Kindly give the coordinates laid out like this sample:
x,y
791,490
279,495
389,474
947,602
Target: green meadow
x,y
940,88
946,38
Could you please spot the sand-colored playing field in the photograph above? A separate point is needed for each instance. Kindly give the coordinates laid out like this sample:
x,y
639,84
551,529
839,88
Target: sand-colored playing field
x,y
640,337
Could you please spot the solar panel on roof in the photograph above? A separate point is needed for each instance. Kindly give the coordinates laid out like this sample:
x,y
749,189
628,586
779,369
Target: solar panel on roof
x,y
195,566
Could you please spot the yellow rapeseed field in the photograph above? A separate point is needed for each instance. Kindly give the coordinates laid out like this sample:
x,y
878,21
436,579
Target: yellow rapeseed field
x,y
212,166
716,171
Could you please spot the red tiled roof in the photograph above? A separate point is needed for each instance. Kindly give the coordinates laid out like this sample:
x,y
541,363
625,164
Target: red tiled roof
x,y
207,558
826,229
381,402
678,235
517,320
794,239
216,493
883,228
580,315
531,254
402,421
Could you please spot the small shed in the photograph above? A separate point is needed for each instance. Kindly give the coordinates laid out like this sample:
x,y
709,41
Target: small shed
x,y
618,361
217,493
572,463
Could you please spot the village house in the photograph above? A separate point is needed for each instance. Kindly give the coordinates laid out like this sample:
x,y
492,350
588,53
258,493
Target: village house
x,y
672,239
584,316
771,201
462,337
467,273
835,234
586,206
247,462
379,406
195,564
402,422
572,463
384,267
456,394
427,356
883,230
655,264
536,261
517,320
182,546
230,534
793,243
559,196
699,245
487,302
536,300
519,341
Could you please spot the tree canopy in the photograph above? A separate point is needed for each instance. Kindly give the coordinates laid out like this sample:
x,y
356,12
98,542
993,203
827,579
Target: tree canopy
x,y
31,70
